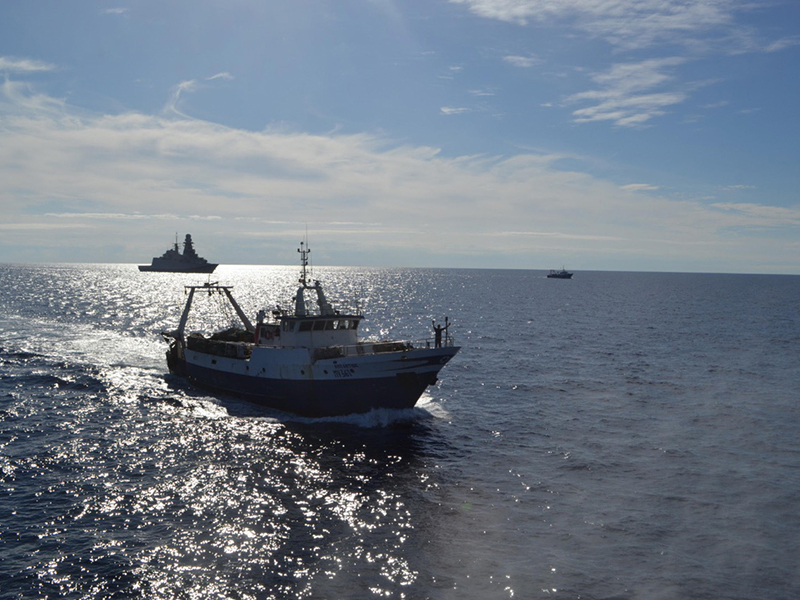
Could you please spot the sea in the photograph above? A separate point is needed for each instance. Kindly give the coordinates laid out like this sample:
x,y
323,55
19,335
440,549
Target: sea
x,y
615,436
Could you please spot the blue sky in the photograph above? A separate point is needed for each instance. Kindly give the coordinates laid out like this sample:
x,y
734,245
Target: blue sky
x,y
653,135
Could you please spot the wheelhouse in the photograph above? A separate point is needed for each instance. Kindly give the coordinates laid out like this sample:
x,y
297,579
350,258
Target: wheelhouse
x,y
312,331
302,325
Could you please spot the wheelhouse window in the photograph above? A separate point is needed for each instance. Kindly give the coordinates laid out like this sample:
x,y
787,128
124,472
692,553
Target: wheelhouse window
x,y
319,325
305,325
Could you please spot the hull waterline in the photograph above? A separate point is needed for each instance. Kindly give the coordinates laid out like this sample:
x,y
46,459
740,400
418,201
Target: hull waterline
x,y
403,380
178,269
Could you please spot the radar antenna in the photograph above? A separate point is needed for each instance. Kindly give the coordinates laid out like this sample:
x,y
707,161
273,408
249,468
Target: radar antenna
x,y
304,251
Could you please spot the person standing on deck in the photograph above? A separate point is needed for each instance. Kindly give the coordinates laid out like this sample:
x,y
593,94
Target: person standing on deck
x,y
437,332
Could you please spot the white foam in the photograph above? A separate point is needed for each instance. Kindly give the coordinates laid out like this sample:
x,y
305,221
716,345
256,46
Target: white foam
x,y
380,418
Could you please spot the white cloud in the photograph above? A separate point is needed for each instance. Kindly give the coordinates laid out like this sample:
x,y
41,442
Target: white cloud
x,y
563,236
128,177
759,214
690,28
19,99
115,11
639,187
111,216
187,87
38,226
629,23
626,96
451,110
782,44
175,96
23,65
130,216
521,61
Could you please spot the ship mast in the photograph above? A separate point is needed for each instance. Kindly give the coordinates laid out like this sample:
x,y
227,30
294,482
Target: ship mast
x,y
304,251
299,300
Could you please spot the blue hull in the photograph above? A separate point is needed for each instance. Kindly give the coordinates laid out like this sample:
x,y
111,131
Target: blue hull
x,y
320,398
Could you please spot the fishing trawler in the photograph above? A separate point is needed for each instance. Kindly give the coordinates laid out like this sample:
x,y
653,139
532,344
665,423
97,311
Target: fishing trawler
x,y
562,274
308,360
172,261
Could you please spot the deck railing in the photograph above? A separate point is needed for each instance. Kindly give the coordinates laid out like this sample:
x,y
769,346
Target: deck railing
x,y
377,347
241,349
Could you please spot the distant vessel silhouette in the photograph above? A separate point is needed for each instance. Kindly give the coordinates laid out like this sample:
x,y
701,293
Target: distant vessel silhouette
x,y
562,274
172,261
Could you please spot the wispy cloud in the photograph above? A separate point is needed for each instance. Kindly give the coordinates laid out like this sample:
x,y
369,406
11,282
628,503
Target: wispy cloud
x,y
19,100
23,65
782,44
639,187
691,29
128,176
631,24
130,216
766,215
38,226
115,11
521,61
628,94
562,235
452,110
187,87
183,87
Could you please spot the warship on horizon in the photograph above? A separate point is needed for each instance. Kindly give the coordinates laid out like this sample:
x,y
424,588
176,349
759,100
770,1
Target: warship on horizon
x,y
172,261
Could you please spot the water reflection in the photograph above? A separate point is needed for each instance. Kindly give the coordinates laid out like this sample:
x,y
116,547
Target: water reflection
x,y
148,487
292,508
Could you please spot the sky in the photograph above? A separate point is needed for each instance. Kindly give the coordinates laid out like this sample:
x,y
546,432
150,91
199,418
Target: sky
x,y
621,135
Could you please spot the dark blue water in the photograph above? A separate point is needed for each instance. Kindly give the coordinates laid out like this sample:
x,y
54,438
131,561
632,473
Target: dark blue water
x,y
620,435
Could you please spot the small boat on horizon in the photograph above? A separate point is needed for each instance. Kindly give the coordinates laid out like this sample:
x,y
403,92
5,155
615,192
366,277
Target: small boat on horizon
x,y
562,274
172,261
306,360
